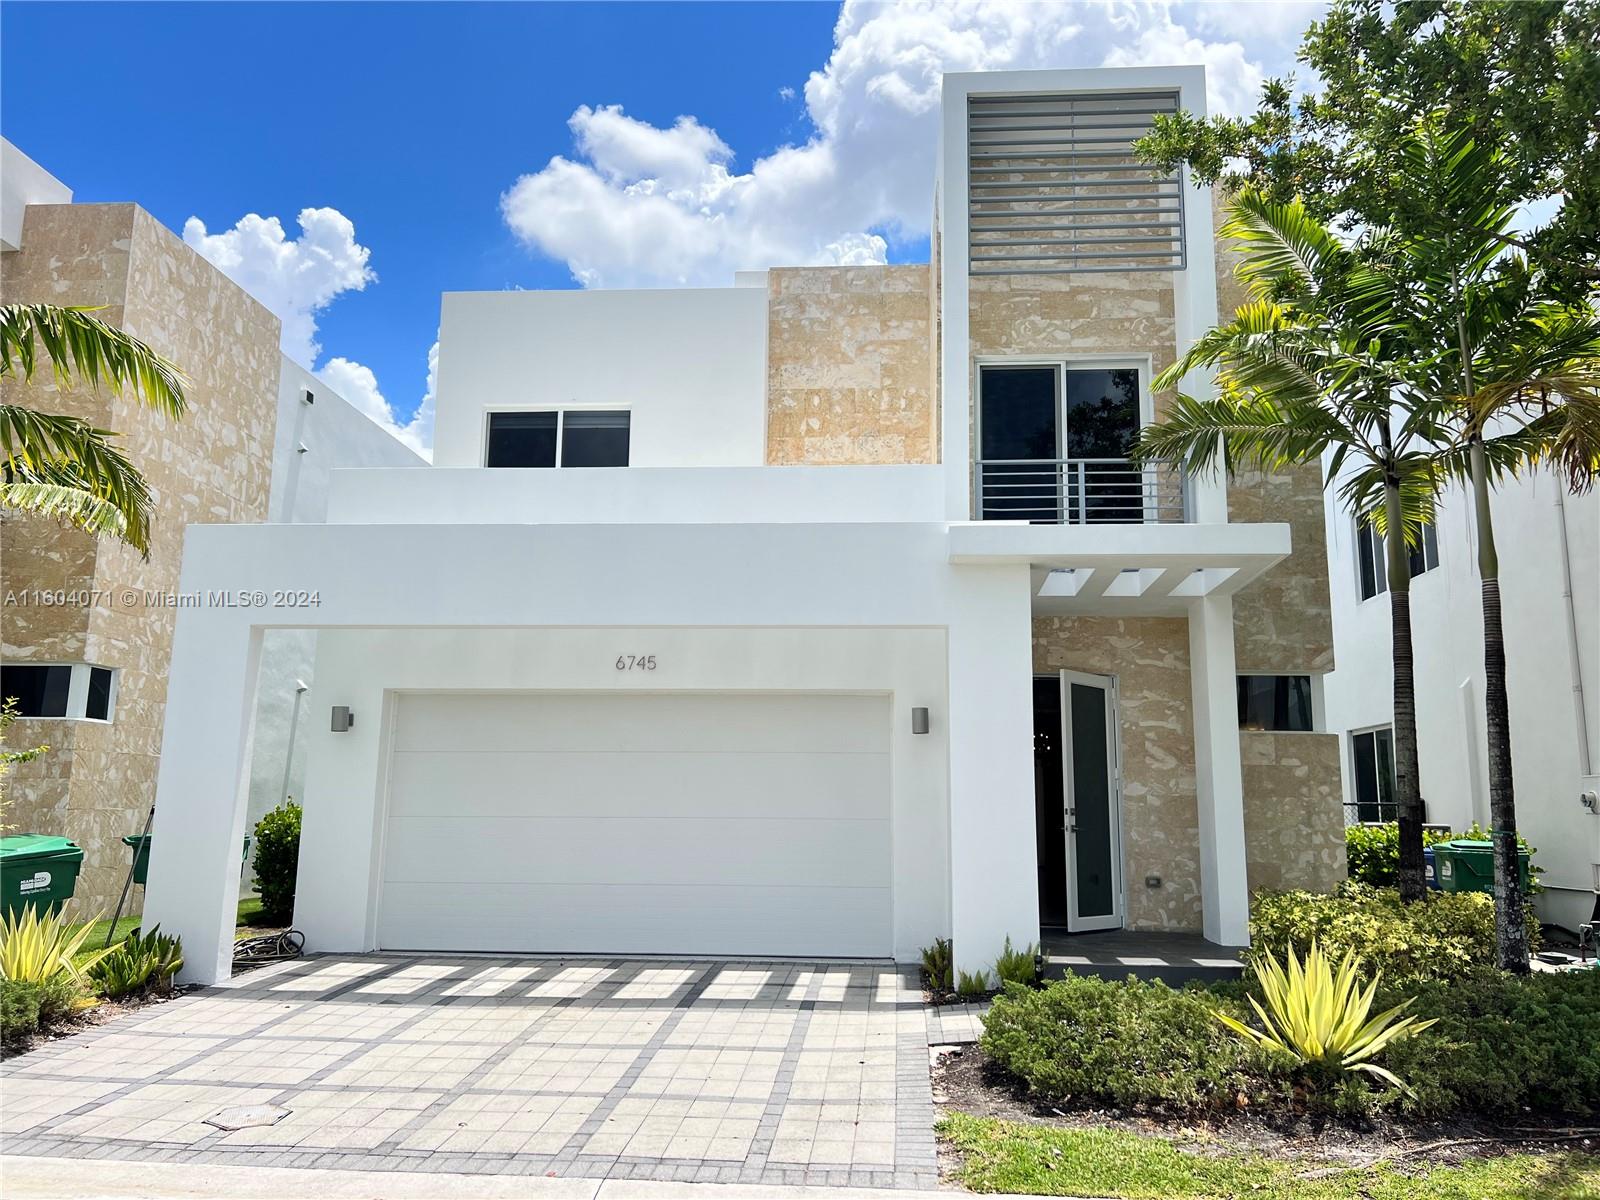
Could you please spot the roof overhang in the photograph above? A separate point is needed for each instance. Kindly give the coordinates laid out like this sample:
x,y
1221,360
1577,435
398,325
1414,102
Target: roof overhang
x,y
1123,570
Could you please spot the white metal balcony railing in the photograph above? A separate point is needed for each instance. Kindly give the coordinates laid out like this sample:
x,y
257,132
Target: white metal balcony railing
x,y
1080,491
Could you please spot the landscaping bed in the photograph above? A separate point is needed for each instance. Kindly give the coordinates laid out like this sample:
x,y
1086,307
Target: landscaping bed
x,y
1492,1087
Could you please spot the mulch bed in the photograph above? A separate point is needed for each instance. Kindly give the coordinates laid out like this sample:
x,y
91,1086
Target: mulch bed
x,y
105,1010
968,1081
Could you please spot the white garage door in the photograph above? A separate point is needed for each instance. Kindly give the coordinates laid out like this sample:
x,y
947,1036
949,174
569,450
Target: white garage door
x,y
639,824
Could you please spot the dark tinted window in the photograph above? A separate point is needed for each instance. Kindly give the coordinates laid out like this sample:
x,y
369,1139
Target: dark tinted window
x,y
39,691
522,439
1019,412
1281,703
594,439
97,704
1102,413
1373,563
1374,771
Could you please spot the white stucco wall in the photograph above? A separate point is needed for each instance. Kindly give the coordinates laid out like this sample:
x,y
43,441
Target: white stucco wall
x,y
23,182
690,364
335,434
1447,631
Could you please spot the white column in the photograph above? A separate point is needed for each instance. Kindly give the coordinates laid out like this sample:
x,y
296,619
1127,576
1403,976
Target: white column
x,y
994,881
202,789
1219,782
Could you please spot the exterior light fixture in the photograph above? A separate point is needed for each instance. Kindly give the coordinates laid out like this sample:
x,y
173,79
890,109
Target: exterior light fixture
x,y
343,718
919,720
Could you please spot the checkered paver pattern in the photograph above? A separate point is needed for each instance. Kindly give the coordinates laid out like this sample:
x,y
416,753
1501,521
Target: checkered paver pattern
x,y
733,1072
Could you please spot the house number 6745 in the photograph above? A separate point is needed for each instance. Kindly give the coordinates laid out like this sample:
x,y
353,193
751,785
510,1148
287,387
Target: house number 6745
x,y
636,662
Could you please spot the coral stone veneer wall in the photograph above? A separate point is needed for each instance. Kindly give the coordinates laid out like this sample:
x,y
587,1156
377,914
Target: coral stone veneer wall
x,y
850,365
214,465
1149,656
1293,814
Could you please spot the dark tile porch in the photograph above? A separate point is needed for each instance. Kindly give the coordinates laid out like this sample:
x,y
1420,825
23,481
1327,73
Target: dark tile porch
x,y
1173,958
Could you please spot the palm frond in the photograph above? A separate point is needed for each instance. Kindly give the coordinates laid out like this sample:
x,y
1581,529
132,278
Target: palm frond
x,y
84,349
1284,246
41,452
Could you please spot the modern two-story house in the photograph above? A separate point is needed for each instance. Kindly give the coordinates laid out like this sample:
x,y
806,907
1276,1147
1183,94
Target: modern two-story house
x,y
821,615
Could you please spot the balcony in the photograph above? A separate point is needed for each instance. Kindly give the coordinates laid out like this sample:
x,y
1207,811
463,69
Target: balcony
x,y
1080,491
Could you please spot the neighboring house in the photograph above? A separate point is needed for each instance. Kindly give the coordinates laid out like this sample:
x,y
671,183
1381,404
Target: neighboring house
x,y
1549,547
820,615
86,625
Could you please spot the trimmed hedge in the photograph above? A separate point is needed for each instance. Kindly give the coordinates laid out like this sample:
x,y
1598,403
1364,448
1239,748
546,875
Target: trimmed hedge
x,y
1373,851
25,1008
1091,1041
277,861
1446,935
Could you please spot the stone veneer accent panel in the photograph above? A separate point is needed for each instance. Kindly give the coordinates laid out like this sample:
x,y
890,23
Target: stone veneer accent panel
x,y
850,365
1293,814
1160,824
214,465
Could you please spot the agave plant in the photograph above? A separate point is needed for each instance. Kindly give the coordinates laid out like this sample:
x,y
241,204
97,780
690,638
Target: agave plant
x,y
1318,1014
149,959
35,948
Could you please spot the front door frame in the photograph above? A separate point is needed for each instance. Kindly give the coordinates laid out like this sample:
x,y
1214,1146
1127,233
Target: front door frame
x,y
1107,685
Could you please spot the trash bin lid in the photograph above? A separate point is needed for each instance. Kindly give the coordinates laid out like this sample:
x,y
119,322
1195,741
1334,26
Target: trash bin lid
x,y
38,845
1471,844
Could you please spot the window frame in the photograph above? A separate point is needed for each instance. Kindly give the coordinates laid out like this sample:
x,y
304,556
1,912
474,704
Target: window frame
x,y
1366,535
560,411
77,691
1144,364
1356,803
1313,696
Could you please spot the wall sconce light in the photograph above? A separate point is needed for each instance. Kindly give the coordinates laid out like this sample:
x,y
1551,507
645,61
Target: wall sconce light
x,y
343,718
919,720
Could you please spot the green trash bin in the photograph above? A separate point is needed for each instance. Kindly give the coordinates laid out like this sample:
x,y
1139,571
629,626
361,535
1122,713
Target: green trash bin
x,y
1467,865
141,854
38,871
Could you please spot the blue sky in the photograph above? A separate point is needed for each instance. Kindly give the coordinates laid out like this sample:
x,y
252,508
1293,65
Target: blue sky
x,y
654,144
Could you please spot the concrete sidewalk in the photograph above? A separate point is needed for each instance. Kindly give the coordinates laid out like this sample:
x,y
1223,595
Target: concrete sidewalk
x,y
107,1179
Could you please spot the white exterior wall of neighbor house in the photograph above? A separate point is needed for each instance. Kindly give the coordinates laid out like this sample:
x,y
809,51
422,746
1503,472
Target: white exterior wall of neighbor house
x,y
1542,674
311,440
23,182
692,372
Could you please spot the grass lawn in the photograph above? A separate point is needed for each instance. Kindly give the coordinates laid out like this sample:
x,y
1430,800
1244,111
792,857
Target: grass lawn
x,y
249,917
1001,1156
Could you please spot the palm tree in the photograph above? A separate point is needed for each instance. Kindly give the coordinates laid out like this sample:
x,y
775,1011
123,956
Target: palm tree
x,y
61,466
1313,365
1510,358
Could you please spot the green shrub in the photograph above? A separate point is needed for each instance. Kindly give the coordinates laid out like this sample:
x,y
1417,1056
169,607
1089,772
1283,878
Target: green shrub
x,y
939,963
1017,966
1442,936
140,961
1372,852
972,984
1091,1041
27,1007
277,860
1502,1045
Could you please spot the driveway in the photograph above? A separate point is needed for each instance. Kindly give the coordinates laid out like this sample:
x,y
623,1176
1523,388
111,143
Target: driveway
x,y
752,1072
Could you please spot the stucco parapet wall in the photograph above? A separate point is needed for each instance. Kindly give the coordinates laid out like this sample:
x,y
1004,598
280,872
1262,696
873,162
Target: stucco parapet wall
x,y
523,575
638,495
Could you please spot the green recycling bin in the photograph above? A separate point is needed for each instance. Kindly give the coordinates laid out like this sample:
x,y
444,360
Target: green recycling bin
x,y
37,871
141,854
1467,865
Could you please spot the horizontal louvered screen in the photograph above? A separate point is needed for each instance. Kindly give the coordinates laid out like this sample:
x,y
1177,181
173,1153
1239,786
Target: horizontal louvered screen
x,y
1054,186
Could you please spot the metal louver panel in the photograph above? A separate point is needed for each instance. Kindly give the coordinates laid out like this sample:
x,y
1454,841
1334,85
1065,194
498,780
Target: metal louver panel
x,y
1054,186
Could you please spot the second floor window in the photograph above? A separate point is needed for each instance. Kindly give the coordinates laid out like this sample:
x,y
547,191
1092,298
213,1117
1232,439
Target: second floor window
x,y
1372,560
578,437
1279,703
80,691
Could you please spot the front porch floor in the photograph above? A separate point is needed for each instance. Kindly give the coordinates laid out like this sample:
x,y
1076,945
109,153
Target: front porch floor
x,y
1173,958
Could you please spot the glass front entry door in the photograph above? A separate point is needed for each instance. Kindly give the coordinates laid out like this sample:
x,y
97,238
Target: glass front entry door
x,y
1093,797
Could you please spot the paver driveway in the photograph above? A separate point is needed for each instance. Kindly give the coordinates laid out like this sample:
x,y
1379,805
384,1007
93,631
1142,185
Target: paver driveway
x,y
755,1072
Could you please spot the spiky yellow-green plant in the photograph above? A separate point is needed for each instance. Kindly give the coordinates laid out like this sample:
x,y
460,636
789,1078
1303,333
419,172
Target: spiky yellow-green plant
x,y
1319,1014
35,948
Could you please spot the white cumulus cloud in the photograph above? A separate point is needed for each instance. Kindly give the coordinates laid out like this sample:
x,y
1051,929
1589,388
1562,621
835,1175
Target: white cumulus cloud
x,y
640,205
295,278
357,384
